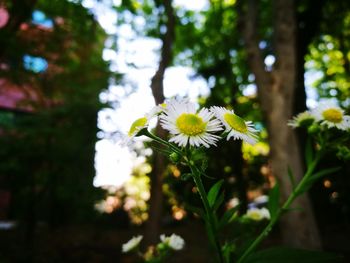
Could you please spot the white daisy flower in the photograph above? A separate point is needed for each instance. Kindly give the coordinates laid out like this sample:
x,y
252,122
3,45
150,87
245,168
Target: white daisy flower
x,y
181,119
131,244
137,126
143,122
331,115
235,125
258,214
156,110
174,241
302,119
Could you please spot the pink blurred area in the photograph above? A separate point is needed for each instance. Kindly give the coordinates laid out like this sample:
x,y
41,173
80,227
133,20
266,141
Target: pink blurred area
x,y
15,97
4,17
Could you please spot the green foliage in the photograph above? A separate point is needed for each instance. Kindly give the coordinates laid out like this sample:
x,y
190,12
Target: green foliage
x,y
213,192
228,216
274,200
316,176
48,154
291,178
308,152
329,53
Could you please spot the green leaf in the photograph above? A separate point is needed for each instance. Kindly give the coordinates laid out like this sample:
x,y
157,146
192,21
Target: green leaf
x,y
164,152
308,152
228,216
317,176
291,177
274,198
227,250
198,155
213,192
218,201
324,172
210,233
292,255
204,164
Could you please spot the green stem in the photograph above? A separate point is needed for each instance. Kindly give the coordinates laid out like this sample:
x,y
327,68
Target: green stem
x,y
160,140
199,184
210,215
296,192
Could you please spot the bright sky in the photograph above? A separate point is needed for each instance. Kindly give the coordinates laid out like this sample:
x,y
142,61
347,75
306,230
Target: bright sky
x,y
114,162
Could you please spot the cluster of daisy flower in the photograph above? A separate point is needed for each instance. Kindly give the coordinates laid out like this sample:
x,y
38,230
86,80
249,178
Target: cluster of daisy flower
x,y
173,242
161,250
188,126
326,114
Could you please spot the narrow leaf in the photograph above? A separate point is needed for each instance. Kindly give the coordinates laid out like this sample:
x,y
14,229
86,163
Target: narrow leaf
x,y
218,201
227,250
291,177
308,152
210,233
204,165
164,152
228,216
274,198
325,172
317,176
213,192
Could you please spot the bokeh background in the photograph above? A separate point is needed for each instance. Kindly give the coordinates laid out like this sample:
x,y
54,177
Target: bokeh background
x,y
75,74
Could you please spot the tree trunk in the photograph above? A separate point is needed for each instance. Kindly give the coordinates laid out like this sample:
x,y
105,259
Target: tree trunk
x,y
156,200
276,90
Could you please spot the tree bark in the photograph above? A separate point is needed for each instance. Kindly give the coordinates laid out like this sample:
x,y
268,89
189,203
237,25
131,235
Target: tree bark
x,y
276,91
156,200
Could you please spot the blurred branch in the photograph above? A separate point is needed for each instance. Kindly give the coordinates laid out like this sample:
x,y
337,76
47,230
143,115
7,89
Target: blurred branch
x,y
166,54
159,166
248,16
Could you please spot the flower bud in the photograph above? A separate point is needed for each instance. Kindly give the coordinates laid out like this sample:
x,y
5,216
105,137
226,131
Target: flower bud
x,y
314,128
175,157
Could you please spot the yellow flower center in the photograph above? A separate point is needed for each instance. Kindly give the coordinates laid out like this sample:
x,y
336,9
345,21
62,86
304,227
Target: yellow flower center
x,y
190,124
135,127
333,115
255,215
235,122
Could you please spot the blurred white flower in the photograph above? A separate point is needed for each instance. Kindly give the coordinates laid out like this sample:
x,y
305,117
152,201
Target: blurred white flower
x,y
131,244
140,124
174,241
258,214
